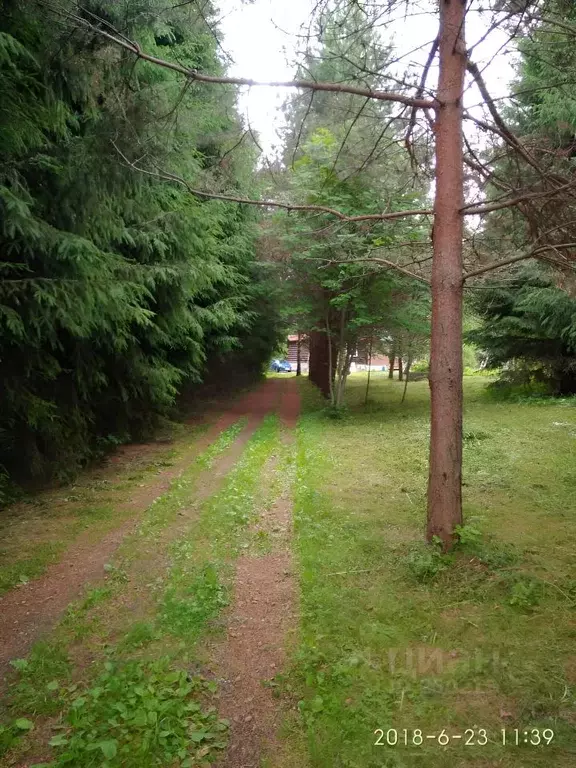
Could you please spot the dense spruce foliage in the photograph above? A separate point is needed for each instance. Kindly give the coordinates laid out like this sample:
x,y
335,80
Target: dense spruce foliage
x,y
528,324
528,311
117,288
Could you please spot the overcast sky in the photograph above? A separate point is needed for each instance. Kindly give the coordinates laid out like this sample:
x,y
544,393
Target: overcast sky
x,y
262,39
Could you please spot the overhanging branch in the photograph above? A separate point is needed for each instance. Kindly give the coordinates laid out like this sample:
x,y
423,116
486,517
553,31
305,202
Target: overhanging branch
x,y
531,254
167,176
472,210
194,76
374,260
502,128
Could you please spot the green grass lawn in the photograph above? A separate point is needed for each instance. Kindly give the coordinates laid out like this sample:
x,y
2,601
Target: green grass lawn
x,y
396,636
397,642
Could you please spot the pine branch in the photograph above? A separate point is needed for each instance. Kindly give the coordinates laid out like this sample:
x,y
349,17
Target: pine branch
x,y
374,260
531,254
472,209
199,77
166,176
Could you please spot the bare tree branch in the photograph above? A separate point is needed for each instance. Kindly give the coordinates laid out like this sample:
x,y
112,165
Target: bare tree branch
x,y
488,174
348,132
374,260
301,129
195,76
419,93
503,129
531,254
166,176
474,210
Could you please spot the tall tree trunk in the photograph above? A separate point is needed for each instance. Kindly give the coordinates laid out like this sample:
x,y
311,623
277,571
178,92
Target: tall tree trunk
x,y
330,351
319,368
392,361
407,377
369,371
312,356
298,356
338,395
400,369
445,475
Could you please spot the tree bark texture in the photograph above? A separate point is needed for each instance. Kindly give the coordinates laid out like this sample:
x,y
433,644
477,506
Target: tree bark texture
x,y
298,355
319,362
445,473
392,361
342,362
406,377
369,371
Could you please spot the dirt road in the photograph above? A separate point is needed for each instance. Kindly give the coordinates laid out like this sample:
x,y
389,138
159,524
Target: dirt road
x,y
30,610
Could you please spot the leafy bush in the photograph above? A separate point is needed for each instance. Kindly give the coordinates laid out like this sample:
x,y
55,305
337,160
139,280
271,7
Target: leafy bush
x,y
421,366
488,372
426,562
136,715
336,412
519,384
528,327
525,592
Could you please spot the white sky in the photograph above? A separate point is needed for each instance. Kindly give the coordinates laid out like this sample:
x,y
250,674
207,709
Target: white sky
x,y
261,38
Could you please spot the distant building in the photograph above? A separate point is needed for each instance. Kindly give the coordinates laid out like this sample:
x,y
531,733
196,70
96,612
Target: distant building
x,y
377,363
292,355
359,362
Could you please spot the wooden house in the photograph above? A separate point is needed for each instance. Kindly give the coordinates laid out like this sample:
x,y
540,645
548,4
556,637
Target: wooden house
x,y
292,355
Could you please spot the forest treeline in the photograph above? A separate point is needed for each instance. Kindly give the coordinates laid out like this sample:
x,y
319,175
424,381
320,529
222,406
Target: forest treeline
x,y
121,287
118,290
364,285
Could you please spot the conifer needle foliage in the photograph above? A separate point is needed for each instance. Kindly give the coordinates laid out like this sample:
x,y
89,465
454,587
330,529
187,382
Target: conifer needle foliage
x,y
117,288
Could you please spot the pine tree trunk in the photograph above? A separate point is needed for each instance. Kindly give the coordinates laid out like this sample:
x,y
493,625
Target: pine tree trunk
x,y
298,356
400,369
392,361
445,475
319,362
407,377
338,395
312,356
331,363
369,372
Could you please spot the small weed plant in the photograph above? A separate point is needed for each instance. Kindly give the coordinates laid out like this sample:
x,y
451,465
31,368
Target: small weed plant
x,y
137,715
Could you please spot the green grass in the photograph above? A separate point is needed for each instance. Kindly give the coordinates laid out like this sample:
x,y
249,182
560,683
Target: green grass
x,y
397,636
137,714
26,568
393,634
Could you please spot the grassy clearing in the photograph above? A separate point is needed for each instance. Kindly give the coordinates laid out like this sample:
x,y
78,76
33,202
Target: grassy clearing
x,y
397,636
120,682
35,531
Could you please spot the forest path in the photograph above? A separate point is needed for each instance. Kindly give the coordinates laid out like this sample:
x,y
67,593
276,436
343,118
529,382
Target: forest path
x,y
29,611
261,618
